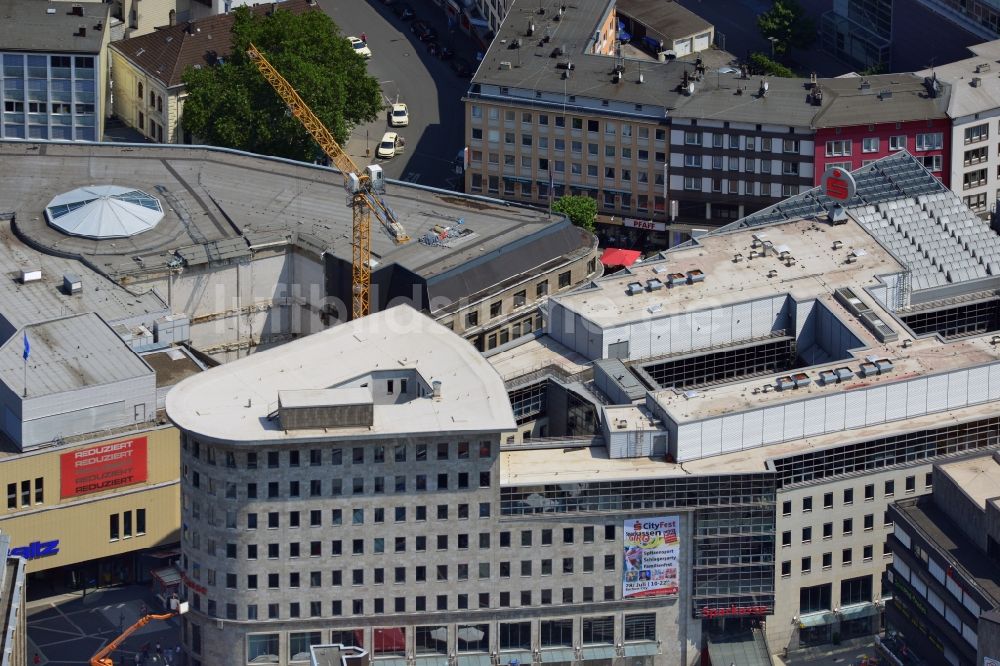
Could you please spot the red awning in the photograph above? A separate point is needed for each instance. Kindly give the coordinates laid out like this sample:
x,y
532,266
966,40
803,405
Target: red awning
x,y
617,257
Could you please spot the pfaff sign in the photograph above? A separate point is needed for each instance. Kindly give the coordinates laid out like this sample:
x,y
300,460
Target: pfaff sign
x,y
103,467
734,611
648,225
36,549
838,184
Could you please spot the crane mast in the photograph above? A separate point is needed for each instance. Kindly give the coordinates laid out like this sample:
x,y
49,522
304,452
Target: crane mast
x,y
362,188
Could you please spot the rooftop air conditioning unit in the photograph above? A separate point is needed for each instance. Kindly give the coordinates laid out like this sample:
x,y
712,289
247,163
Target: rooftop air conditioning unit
x,y
505,64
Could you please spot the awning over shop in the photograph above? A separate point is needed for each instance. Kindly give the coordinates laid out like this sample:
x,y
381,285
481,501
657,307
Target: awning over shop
x,y
816,619
858,611
167,576
618,257
549,656
599,652
645,649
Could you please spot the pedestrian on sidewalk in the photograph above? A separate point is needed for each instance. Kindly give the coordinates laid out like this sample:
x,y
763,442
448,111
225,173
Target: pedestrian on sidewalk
x,y
364,38
37,659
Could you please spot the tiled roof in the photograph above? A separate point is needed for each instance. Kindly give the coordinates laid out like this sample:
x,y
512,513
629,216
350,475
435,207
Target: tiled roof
x,y
167,52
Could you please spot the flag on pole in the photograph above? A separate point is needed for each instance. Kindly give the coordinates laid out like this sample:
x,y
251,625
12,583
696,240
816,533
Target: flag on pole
x,y
27,347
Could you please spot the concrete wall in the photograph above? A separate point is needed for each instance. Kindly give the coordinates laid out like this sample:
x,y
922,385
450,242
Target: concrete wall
x,y
835,411
782,630
962,509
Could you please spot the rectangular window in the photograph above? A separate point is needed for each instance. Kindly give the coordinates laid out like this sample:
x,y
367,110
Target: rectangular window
x,y
692,138
140,522
39,490
790,146
26,492
127,525
869,144
11,495
977,133
897,142
930,141
114,533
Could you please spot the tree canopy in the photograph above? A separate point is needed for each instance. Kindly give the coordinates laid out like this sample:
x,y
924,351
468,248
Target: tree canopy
x,y
581,211
761,64
788,24
231,104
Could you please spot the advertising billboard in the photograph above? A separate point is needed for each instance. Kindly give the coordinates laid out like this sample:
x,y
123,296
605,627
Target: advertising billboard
x,y
102,467
652,557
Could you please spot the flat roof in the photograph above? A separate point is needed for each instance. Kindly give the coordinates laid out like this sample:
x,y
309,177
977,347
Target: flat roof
x,y
234,402
968,99
666,18
520,467
817,271
218,203
978,478
536,353
926,356
22,304
68,353
172,365
38,26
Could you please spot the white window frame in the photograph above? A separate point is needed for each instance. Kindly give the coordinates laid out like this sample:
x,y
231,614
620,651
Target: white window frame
x,y
869,144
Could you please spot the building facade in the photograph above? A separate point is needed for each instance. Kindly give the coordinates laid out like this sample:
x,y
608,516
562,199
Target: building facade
x,y
54,71
432,559
943,576
973,107
14,640
857,146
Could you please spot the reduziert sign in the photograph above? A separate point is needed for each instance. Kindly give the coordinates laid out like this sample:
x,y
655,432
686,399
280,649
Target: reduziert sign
x,y
92,469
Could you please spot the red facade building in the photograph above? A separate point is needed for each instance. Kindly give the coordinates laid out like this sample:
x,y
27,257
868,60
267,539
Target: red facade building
x,y
854,146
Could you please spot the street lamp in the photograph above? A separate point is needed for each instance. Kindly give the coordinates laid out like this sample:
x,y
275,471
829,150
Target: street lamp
x,y
772,40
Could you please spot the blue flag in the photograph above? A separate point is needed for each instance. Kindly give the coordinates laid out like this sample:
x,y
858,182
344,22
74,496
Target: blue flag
x,y
27,347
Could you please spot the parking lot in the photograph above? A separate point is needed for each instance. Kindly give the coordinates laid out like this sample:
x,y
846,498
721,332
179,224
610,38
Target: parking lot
x,y
409,74
70,628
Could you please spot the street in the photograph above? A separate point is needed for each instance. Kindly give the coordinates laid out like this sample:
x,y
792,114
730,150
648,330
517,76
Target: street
x,y
69,628
424,83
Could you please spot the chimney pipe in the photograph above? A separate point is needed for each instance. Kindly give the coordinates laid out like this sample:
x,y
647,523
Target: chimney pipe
x,y
76,10
82,32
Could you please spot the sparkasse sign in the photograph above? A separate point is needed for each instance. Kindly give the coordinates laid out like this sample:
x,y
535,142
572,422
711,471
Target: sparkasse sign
x,y
103,467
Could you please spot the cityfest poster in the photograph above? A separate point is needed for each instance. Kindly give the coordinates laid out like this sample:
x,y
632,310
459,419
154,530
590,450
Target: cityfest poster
x,y
652,557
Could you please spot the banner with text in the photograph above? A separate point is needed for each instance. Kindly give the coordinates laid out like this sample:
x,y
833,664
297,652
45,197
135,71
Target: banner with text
x,y
103,467
652,557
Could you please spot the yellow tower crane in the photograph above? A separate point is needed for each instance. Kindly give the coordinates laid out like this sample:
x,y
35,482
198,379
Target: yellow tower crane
x,y
363,187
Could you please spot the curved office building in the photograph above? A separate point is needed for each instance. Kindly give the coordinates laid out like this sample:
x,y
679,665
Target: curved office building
x,y
345,488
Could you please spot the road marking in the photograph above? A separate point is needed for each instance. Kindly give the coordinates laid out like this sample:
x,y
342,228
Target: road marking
x,y
72,623
412,177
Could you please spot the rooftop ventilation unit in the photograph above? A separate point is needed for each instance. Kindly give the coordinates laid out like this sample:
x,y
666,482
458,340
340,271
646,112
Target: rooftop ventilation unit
x,y
801,379
885,93
816,96
654,284
932,85
827,377
843,373
865,85
634,288
675,279
30,275
505,64
76,10
565,64
531,28
72,284
695,276
617,78
982,68
976,81
869,369
784,383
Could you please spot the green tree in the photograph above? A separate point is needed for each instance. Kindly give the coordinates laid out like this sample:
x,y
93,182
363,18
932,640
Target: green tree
x,y
231,104
787,23
761,64
581,211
